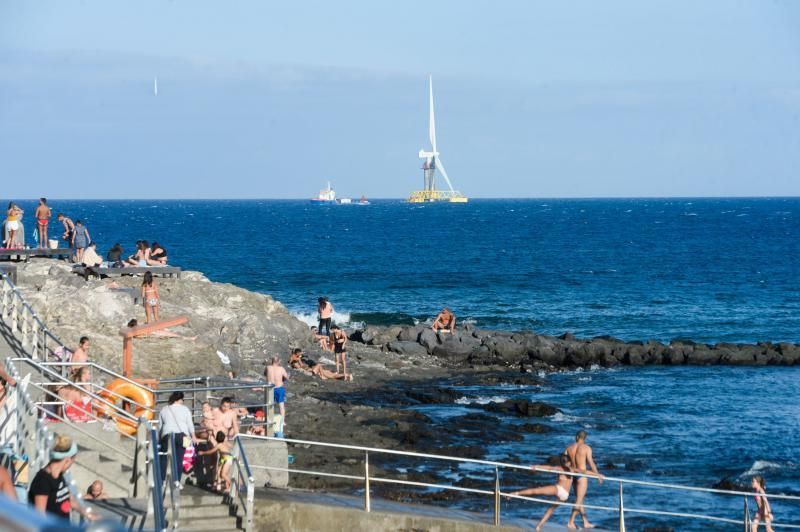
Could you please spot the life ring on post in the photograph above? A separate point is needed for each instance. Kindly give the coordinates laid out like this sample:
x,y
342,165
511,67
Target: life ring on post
x,y
142,403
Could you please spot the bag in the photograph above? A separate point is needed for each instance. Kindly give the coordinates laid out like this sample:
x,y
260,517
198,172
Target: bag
x,y
62,354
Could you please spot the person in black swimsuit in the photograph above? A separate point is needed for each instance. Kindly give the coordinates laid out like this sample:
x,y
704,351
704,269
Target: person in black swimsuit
x,y
158,255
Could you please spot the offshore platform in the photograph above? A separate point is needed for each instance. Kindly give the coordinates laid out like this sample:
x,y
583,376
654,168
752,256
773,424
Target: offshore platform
x,y
433,162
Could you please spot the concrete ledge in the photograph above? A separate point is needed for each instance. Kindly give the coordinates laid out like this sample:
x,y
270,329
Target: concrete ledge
x,y
267,453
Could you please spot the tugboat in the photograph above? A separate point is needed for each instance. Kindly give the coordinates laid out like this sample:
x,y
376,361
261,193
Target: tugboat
x,y
326,195
363,201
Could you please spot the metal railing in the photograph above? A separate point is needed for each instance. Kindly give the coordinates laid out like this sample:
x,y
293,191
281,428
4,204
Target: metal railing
x,y
241,474
494,468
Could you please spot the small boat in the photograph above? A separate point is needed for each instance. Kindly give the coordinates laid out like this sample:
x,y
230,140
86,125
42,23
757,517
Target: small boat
x,y
363,201
326,195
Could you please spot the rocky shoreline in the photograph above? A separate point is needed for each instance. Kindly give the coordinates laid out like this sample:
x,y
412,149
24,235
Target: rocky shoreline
x,y
396,369
470,346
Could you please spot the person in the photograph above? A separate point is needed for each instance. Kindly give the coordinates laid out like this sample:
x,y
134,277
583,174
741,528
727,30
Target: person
x,y
258,428
324,344
277,376
580,454
158,255
7,484
142,254
81,354
43,214
445,320
80,239
69,232
229,419
150,298
14,226
339,341
177,426
311,367
325,310
95,491
90,257
763,510
77,403
220,446
114,256
559,490
49,492
212,418
162,333
6,380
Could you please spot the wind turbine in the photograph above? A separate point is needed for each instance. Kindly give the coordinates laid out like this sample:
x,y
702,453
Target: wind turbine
x,y
432,159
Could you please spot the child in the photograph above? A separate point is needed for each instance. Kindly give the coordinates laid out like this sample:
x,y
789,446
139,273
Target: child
x,y
559,490
150,297
223,447
764,512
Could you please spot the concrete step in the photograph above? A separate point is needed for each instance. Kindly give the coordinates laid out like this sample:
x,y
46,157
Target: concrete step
x,y
216,510
208,523
90,466
90,435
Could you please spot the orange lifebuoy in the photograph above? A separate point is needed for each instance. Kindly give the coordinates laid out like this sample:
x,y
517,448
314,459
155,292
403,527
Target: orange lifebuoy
x,y
117,392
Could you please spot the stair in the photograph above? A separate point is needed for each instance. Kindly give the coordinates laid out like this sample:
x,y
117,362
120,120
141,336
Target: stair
x,y
202,510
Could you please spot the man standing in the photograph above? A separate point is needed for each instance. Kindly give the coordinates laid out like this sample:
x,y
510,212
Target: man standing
x,y
228,418
580,455
278,376
69,232
43,214
325,310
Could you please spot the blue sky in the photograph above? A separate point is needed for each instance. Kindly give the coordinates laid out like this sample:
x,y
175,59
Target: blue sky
x,y
534,99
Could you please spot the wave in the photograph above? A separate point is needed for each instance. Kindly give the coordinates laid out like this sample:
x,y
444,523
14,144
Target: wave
x,y
343,319
761,466
560,417
480,400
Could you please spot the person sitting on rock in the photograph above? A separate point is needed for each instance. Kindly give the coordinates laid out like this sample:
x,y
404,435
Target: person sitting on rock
x,y
158,255
323,340
90,257
445,321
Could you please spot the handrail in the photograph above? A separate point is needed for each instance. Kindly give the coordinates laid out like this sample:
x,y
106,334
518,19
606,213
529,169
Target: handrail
x,y
241,463
497,493
155,481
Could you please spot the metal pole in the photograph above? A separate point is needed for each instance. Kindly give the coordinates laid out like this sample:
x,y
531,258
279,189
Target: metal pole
x,y
496,497
366,482
621,511
746,520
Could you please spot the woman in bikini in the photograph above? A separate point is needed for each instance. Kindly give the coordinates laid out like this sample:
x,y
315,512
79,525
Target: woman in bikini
x,y
150,297
13,225
559,490
311,367
43,215
763,510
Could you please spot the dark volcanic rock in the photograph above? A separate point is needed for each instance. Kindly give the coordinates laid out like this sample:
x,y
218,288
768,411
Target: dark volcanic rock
x,y
404,347
703,356
523,408
410,334
534,428
434,395
428,339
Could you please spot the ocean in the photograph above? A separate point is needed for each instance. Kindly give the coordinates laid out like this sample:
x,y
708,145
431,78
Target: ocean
x,y
705,269
708,270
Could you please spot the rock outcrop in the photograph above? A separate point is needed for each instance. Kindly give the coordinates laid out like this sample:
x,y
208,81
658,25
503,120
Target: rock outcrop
x,y
246,326
476,347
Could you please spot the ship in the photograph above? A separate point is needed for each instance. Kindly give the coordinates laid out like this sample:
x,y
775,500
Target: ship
x,y
326,195
433,162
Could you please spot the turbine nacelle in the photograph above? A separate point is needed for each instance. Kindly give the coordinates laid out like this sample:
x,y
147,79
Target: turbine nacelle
x,y
428,154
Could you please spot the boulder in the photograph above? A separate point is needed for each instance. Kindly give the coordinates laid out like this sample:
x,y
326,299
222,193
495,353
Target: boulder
x,y
703,356
738,357
548,355
523,408
410,334
579,355
428,339
407,348
675,355
790,354
508,349
634,355
454,349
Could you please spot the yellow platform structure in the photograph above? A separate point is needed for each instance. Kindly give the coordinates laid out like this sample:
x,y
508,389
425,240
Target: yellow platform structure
x,y
432,196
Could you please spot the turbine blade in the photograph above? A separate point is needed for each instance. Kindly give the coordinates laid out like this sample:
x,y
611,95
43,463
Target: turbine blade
x,y
440,166
432,126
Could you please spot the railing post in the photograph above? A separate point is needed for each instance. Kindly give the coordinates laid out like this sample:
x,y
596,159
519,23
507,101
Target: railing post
x,y
496,497
366,482
746,520
621,510
251,497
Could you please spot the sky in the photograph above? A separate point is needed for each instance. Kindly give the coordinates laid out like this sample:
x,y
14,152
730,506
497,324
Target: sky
x,y
271,100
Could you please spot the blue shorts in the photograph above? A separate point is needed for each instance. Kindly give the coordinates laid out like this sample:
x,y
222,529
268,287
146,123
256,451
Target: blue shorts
x,y
280,394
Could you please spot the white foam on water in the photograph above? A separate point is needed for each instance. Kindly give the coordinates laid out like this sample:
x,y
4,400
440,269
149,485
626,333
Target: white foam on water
x,y
560,417
759,466
480,400
312,318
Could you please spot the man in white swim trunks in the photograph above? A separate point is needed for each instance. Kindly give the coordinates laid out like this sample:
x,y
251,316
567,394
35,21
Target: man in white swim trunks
x,y
559,490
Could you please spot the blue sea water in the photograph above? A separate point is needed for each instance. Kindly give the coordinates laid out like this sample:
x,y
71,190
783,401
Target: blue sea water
x,y
705,269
